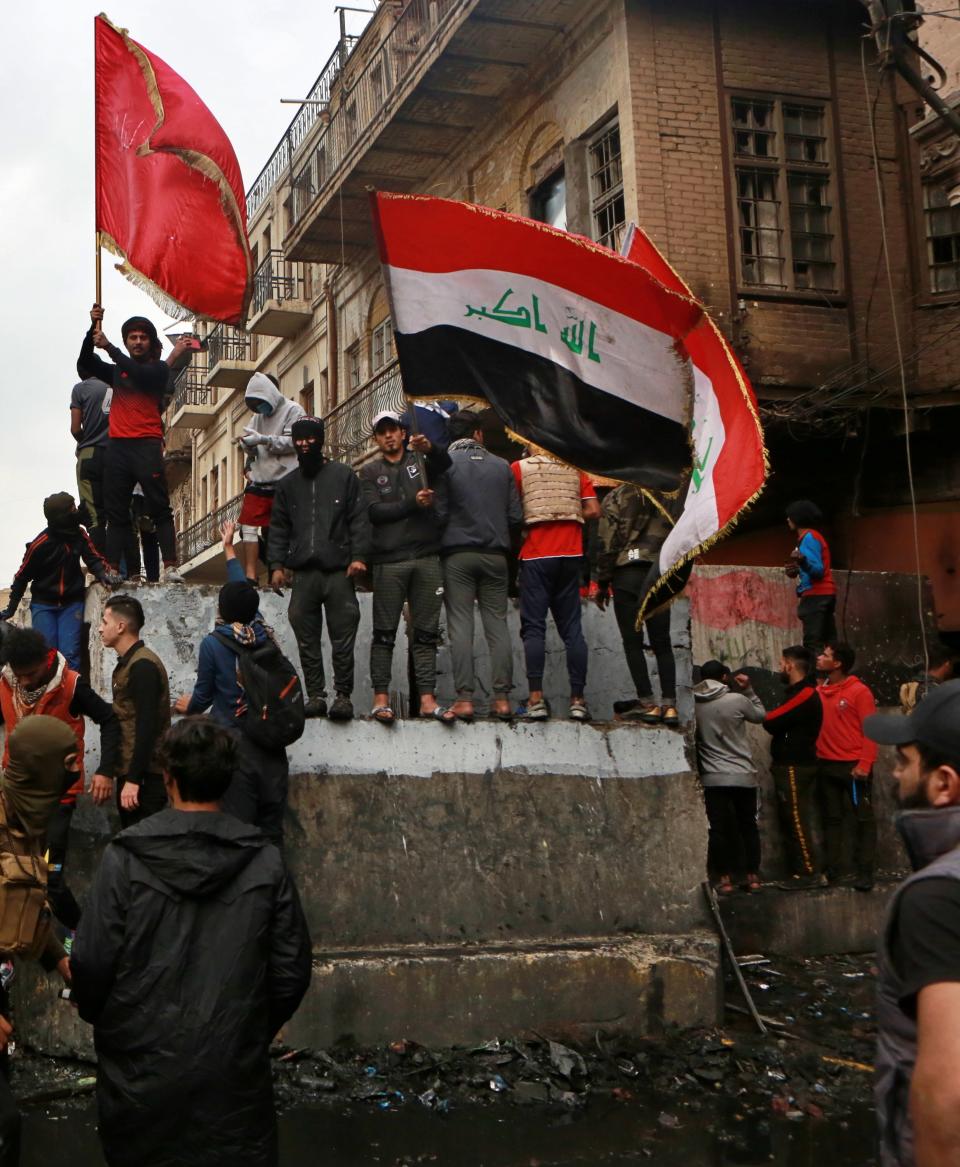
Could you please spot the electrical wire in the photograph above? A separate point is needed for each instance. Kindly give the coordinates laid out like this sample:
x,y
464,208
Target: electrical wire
x,y
871,112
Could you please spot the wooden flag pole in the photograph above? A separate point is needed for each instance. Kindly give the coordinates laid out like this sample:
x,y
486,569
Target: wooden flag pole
x,y
97,238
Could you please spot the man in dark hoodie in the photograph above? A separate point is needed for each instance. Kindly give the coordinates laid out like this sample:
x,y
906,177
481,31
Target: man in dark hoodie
x,y
53,566
319,531
258,792
794,727
135,447
192,953
406,561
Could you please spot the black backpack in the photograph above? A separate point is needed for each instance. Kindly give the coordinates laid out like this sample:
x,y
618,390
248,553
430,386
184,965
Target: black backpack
x,y
274,695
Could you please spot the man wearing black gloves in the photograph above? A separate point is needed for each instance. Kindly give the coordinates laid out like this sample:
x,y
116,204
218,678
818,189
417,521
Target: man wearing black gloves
x,y
319,531
192,952
135,447
53,566
794,727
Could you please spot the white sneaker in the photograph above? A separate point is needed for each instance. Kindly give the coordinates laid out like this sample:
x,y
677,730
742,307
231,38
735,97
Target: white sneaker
x,y
172,576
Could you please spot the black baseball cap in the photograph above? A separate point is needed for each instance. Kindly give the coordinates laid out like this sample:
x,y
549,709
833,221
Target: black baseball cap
x,y
935,723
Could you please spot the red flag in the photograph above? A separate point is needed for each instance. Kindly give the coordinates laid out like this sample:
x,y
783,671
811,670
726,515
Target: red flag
x,y
170,198
730,465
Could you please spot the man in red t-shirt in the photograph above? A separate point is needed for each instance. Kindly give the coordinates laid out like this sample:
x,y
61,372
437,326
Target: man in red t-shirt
x,y
556,501
135,446
845,758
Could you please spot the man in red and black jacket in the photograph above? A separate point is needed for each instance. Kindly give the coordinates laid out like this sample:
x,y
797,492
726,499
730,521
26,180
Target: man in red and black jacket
x,y
135,446
845,775
794,727
53,566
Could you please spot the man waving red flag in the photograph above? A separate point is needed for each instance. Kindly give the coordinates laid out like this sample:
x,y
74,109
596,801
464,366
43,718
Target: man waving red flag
x,y
170,198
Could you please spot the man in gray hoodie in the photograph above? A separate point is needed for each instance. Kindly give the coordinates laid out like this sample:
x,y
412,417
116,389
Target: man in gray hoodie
x,y
724,705
479,506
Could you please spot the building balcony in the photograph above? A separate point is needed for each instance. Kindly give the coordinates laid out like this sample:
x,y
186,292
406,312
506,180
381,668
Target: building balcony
x,y
230,361
194,404
279,306
198,547
348,438
439,74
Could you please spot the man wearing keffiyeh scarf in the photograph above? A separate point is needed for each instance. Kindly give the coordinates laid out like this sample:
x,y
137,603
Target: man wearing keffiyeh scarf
x,y
258,792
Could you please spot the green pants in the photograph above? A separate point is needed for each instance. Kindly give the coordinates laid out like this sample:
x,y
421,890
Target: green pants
x,y
795,787
478,577
90,490
420,583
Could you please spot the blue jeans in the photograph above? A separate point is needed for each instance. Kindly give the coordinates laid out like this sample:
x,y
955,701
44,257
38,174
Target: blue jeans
x,y
61,627
552,585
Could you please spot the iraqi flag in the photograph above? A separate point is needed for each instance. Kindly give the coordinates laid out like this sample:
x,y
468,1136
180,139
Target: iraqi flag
x,y
170,199
578,350
730,464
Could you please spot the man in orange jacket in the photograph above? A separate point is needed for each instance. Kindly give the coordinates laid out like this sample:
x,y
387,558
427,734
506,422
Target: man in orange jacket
x,y
845,758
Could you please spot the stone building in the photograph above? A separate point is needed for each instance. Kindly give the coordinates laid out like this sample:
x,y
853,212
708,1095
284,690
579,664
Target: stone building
x,y
745,136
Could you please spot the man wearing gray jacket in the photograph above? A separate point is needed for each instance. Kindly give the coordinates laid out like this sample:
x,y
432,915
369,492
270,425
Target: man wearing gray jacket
x,y
724,705
480,505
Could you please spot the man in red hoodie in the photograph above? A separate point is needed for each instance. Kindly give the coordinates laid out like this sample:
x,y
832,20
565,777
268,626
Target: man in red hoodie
x,y
845,758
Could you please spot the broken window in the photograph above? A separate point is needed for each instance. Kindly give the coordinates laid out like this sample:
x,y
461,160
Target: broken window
x,y
782,193
607,209
942,228
548,200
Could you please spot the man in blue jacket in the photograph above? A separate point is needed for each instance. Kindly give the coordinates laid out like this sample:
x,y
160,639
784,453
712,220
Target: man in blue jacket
x,y
258,792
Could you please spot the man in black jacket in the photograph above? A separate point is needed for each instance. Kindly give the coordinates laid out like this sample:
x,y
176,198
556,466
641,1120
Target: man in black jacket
x,y
192,952
406,561
53,566
794,727
319,531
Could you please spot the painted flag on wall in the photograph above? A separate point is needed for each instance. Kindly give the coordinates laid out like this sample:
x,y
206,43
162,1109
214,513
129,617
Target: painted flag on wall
x,y
170,199
578,350
730,464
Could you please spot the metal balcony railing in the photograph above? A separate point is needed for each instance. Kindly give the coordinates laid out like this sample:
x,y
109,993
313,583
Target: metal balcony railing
x,y
372,90
348,425
189,388
298,129
226,343
276,279
206,531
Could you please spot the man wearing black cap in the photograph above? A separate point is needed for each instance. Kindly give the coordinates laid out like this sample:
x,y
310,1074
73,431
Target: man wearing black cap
x,y
53,566
135,446
258,791
319,531
917,1085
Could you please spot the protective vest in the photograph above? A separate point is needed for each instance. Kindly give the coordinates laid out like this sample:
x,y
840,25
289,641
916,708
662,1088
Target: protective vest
x,y
896,1031
551,492
126,710
56,703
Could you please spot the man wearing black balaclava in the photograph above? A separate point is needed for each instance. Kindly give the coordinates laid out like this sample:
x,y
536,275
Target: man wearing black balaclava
x,y
135,446
53,566
319,531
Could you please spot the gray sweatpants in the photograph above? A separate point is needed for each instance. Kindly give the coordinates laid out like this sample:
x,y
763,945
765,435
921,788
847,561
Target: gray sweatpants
x,y
313,592
419,581
479,576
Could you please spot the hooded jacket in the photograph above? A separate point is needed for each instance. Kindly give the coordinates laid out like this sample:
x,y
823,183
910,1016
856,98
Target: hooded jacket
x,y
479,504
192,952
845,704
52,567
275,457
722,746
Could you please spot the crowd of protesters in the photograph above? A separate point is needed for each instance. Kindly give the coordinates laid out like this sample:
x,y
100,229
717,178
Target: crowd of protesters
x,y
192,903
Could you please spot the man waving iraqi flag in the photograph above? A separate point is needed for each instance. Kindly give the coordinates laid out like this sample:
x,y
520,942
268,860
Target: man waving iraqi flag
x,y
578,350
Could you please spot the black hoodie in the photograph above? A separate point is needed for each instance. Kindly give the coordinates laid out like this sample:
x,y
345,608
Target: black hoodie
x,y
192,952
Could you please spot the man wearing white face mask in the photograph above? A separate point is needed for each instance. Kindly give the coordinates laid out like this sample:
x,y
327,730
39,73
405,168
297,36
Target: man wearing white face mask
x,y
270,456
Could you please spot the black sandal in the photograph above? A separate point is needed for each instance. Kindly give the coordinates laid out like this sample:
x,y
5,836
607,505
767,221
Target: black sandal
x,y
384,714
443,715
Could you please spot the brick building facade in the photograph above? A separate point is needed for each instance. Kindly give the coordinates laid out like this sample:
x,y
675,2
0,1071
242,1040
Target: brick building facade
x,y
739,133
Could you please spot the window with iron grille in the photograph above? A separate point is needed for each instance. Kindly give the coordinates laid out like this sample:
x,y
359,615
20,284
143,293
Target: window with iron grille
x,y
381,346
353,365
942,229
306,399
607,211
786,240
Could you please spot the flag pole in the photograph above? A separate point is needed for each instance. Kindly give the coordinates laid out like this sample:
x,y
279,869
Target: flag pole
x,y
97,238
96,182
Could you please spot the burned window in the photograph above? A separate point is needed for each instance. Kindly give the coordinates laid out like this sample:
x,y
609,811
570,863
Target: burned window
x,y
783,195
548,200
942,229
607,209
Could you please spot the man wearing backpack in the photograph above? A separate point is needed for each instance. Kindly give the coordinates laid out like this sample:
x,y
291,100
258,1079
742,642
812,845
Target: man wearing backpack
x,y
141,702
258,792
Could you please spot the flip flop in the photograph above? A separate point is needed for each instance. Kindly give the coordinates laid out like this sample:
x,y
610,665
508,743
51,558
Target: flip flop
x,y
466,717
384,714
443,715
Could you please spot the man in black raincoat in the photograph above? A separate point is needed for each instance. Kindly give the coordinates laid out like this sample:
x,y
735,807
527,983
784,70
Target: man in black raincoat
x,y
192,953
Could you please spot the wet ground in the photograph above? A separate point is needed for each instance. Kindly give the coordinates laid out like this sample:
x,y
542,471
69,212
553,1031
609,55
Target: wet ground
x,y
797,1096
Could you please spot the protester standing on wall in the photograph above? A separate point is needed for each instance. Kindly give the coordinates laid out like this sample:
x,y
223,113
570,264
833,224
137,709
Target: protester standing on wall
x,y
810,567
89,427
